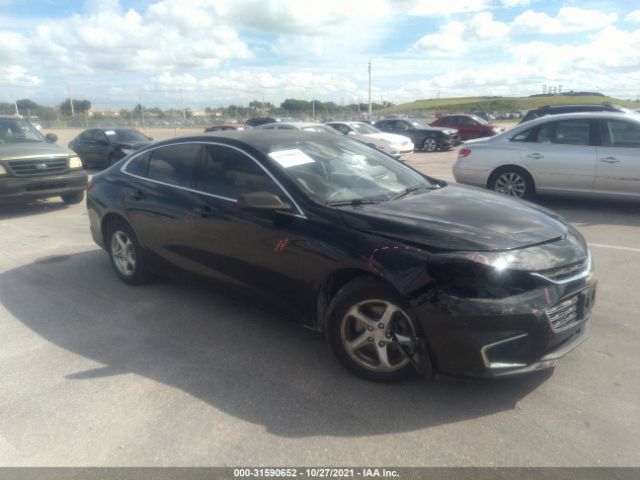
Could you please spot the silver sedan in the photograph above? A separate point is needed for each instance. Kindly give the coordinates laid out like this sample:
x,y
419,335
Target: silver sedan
x,y
575,153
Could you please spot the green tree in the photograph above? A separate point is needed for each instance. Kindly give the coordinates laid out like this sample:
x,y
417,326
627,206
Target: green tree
x,y
78,106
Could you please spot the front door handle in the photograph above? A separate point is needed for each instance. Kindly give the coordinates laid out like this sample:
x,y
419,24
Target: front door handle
x,y
537,156
137,195
204,211
609,160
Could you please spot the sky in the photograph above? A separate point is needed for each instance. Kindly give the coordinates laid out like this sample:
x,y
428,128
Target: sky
x,y
197,53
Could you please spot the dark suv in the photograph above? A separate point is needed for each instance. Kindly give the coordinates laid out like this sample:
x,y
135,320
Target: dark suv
x,y
32,167
557,109
421,133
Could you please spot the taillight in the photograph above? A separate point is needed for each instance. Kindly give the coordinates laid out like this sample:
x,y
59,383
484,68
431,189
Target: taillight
x,y
89,186
464,152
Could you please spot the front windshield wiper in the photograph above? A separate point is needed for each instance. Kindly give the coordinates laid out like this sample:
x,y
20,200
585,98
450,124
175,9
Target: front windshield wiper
x,y
354,203
415,188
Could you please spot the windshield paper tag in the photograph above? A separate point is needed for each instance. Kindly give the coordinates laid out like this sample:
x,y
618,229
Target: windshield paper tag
x,y
291,158
109,132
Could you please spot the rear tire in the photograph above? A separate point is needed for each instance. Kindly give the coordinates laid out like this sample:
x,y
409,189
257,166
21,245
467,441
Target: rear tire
x,y
126,254
512,181
359,320
73,198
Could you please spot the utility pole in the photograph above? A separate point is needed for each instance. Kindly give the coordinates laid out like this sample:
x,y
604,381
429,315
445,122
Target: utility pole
x,y
73,113
141,109
369,90
184,113
17,111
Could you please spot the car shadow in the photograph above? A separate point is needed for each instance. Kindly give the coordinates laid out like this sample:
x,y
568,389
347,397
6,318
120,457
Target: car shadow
x,y
35,207
589,211
230,353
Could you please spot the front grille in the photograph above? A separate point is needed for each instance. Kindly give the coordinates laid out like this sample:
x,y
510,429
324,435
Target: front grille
x,y
38,167
559,274
565,313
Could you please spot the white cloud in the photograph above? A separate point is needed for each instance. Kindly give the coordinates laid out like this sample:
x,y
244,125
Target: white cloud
x,y
14,75
448,41
633,16
484,27
425,8
568,19
252,83
515,3
452,38
295,16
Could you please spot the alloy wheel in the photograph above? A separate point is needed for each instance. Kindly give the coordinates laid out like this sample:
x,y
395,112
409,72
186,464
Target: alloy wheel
x,y
512,184
366,335
123,252
430,145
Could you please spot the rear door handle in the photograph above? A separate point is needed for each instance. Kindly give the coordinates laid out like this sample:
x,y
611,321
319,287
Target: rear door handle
x,y
204,211
609,160
535,155
137,195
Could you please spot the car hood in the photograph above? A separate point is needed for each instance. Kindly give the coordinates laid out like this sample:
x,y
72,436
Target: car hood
x,y
389,137
458,218
17,151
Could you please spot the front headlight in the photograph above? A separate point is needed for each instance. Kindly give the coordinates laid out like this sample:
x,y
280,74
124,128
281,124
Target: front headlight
x,y
3,171
75,162
480,275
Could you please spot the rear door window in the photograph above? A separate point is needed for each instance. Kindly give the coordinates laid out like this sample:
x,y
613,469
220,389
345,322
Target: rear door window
x,y
175,164
565,132
618,133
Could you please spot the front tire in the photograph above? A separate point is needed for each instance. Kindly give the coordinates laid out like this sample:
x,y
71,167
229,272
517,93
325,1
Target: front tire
x,y
430,145
361,318
73,198
126,254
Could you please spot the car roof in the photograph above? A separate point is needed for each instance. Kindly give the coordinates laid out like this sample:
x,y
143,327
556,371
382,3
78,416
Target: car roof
x,y
579,115
294,124
260,139
577,105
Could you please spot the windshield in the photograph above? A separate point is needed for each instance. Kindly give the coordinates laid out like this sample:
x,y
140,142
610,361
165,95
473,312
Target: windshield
x,y
479,119
342,170
363,128
126,135
17,130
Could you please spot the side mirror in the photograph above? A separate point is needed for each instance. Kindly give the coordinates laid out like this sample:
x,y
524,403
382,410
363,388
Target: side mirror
x,y
51,138
261,201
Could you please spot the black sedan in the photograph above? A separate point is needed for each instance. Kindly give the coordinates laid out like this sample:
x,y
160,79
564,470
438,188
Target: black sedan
x,y
104,147
401,271
423,135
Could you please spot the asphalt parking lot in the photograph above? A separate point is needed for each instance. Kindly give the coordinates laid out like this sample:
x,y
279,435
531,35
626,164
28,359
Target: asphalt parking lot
x,y
94,372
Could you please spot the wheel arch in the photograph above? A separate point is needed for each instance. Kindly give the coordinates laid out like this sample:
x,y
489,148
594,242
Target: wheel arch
x,y
331,285
107,220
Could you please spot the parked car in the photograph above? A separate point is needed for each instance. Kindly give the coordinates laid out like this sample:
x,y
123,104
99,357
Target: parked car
x,y
226,126
558,109
421,134
255,121
399,270
468,126
394,145
302,126
578,153
33,167
104,147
